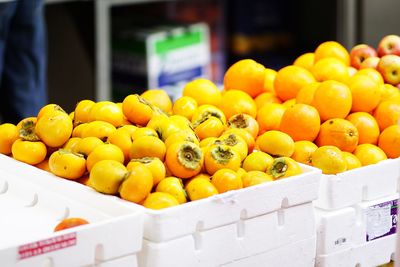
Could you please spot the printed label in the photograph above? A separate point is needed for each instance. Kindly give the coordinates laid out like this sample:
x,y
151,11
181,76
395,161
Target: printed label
x,y
340,241
381,220
46,245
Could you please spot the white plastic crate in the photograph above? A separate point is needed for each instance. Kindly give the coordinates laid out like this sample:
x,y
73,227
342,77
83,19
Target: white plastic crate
x,y
362,234
30,212
357,185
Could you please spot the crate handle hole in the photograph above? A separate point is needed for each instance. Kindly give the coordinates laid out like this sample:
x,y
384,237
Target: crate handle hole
x,y
285,203
358,265
65,214
281,217
4,188
99,253
34,201
198,243
364,193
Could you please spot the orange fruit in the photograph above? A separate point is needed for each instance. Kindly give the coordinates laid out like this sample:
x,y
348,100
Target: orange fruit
x,y
257,161
87,145
369,154
185,106
203,91
205,111
368,129
184,135
330,68
306,93
122,139
372,73
276,143
289,103
67,164
226,179
352,161
269,78
158,98
387,113
29,152
332,99
389,141
147,146
153,164
269,117
289,80
71,144
389,91
245,75
351,71
160,200
338,132
143,131
236,142
211,127
332,49
99,129
303,151
365,91
305,60
266,98
329,159
301,122
235,102
48,108
106,176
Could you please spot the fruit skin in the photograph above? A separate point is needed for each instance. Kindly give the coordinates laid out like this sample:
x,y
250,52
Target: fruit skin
x,y
160,200
106,176
184,159
360,53
329,159
256,177
369,154
371,62
389,45
173,186
67,165
137,184
332,49
389,141
283,167
276,143
367,126
303,151
387,113
203,91
199,188
340,133
54,128
221,157
389,67
29,152
69,223
8,134
225,180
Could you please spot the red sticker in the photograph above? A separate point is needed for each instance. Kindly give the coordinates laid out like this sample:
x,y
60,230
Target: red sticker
x,y
46,245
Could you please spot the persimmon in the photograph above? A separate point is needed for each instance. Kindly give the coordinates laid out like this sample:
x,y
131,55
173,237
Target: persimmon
x,y
173,186
8,134
226,179
70,223
237,102
137,184
283,167
67,165
31,152
276,143
160,200
106,176
221,157
184,159
203,91
244,121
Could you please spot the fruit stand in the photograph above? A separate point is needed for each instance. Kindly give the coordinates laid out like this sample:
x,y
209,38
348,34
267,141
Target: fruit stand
x,y
295,166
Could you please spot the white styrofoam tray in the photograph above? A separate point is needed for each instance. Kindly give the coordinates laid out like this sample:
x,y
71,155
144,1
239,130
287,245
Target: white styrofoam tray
x,y
367,226
231,242
29,213
357,185
194,219
299,254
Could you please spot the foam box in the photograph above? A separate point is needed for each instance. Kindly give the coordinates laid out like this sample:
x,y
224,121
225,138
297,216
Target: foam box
x,y
357,185
349,232
299,254
30,212
243,239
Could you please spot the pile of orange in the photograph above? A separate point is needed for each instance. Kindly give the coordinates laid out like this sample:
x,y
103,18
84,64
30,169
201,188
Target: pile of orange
x,y
158,153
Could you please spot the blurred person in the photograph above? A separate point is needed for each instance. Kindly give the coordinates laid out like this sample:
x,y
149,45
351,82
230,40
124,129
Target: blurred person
x,y
22,59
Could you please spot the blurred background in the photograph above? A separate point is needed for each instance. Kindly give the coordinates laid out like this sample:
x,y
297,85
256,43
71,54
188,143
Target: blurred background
x,y
105,49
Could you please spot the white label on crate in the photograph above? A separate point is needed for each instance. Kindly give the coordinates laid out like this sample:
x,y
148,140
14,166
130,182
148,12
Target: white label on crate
x,y
381,220
46,245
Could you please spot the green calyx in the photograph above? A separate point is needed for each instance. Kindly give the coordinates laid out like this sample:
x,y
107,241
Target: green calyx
x,y
278,168
189,156
222,154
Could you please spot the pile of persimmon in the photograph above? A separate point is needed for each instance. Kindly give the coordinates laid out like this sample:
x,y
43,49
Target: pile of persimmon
x,y
149,150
